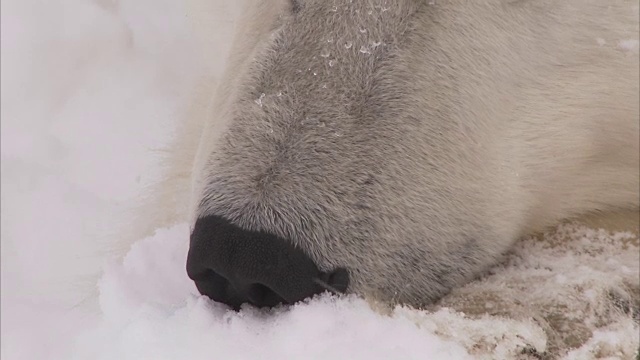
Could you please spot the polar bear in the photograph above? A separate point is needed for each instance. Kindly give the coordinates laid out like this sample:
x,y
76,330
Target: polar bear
x,y
398,149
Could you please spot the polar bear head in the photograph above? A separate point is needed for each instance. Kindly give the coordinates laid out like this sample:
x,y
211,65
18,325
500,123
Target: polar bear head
x,y
332,163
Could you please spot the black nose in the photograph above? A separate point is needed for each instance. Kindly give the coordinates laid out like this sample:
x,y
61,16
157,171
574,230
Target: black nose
x,y
235,266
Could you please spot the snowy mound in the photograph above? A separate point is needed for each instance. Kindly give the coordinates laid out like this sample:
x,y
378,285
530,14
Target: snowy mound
x,y
568,294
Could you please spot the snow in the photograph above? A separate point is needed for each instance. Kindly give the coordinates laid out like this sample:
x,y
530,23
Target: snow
x,y
91,90
161,317
629,45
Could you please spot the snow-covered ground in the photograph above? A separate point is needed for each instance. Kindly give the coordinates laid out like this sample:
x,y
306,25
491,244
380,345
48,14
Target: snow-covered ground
x,y
91,89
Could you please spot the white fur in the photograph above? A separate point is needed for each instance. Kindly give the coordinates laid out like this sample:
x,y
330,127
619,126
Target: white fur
x,y
511,116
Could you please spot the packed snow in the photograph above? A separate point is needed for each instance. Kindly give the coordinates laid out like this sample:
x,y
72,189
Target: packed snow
x,y
91,92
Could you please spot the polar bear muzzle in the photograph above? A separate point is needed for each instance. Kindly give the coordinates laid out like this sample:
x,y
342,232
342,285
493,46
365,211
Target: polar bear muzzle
x,y
235,266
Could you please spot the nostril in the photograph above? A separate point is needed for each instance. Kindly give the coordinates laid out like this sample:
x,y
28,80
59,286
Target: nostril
x,y
339,279
336,282
261,295
211,284
219,288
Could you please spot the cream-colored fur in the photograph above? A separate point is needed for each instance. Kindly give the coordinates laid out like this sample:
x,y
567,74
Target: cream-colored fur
x,y
413,142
